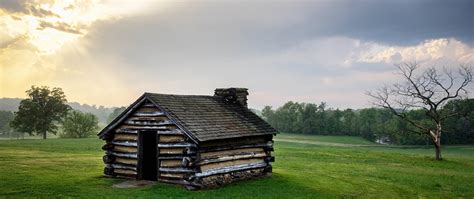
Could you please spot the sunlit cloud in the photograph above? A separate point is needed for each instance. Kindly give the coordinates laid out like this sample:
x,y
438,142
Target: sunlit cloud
x,y
435,51
49,24
32,32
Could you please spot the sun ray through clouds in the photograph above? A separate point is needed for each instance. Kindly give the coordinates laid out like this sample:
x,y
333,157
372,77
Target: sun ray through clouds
x,y
33,32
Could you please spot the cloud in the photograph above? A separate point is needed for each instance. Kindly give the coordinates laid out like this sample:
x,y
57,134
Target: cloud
x,y
306,51
27,7
64,27
431,52
14,5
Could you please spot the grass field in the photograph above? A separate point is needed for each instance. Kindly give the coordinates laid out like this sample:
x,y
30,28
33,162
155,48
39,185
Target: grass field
x,y
305,167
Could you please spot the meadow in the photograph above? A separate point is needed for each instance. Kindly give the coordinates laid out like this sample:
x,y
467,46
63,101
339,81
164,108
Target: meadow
x,y
305,167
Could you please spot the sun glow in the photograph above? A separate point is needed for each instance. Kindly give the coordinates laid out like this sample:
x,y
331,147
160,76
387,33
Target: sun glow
x,y
35,35
47,25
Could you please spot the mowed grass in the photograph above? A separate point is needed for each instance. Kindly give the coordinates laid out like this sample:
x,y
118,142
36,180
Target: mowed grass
x,y
351,168
326,140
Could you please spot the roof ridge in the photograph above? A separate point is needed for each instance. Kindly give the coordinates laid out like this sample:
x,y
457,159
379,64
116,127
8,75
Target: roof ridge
x,y
184,95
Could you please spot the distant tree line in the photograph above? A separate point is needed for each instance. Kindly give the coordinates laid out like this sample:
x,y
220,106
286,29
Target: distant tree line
x,y
46,111
102,113
375,124
5,130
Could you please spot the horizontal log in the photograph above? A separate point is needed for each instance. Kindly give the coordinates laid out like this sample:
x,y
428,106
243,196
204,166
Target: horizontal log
x,y
125,149
158,118
169,132
121,166
125,172
232,157
175,170
125,143
141,127
172,175
176,145
125,137
216,154
126,130
176,162
217,165
176,157
170,163
122,155
128,161
148,123
172,151
149,114
171,138
231,169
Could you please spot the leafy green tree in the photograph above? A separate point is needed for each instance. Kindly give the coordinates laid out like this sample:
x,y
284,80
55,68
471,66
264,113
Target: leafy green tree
x,y
41,111
79,125
349,120
367,121
461,127
308,118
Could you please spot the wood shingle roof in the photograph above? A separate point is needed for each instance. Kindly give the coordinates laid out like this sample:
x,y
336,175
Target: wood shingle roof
x,y
204,118
211,117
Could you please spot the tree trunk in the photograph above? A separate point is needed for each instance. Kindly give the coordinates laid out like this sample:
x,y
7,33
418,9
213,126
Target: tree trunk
x,y
437,142
438,151
44,135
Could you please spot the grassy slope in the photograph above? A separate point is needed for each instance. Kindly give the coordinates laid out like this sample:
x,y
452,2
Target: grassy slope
x,y
72,168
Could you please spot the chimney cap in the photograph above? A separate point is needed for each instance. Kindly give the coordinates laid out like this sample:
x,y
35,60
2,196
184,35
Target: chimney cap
x,y
232,88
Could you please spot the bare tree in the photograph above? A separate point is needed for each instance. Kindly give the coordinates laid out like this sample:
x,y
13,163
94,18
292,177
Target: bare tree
x,y
428,90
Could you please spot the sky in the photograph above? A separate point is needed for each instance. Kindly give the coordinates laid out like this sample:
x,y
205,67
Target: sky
x,y
110,52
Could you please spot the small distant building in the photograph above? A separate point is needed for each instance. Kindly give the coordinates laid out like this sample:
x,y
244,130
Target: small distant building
x,y
193,140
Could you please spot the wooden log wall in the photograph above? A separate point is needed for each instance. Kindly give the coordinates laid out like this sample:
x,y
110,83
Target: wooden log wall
x,y
176,152
121,149
225,161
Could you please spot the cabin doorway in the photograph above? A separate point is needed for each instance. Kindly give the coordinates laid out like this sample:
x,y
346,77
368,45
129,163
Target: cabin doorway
x,y
148,166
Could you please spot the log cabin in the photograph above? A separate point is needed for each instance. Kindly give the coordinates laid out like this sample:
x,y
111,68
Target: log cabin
x,y
197,141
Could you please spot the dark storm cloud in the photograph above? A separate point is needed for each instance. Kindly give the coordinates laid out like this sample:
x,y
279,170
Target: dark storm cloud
x,y
261,26
13,5
288,50
393,22
25,7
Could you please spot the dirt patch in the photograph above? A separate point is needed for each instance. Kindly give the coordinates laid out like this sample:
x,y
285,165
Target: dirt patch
x,y
134,184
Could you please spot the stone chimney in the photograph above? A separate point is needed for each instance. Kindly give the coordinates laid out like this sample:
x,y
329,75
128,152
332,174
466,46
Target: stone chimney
x,y
233,95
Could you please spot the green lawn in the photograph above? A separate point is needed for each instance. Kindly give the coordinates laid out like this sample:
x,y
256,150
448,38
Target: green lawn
x,y
352,167
352,140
